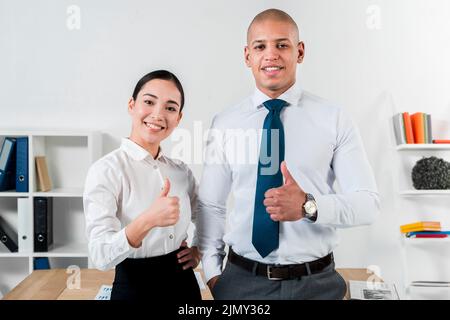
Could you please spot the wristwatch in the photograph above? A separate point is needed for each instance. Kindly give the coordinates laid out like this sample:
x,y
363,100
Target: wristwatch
x,y
310,207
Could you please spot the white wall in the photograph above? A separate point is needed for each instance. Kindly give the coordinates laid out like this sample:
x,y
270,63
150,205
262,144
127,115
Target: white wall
x,y
374,65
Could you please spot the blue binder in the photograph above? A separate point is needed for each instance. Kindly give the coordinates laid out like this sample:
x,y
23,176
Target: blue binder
x,y
7,164
22,164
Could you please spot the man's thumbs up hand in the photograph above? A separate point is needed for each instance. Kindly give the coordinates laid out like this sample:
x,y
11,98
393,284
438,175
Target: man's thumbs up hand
x,y
166,188
285,203
288,179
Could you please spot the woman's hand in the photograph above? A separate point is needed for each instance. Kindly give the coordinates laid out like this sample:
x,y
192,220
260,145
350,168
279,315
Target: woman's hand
x,y
165,210
189,257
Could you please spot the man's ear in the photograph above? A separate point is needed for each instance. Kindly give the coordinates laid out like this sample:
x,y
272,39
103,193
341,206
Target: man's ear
x,y
301,52
246,55
130,105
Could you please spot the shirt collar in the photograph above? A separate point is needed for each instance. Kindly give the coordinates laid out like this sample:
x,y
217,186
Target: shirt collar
x,y
137,152
292,96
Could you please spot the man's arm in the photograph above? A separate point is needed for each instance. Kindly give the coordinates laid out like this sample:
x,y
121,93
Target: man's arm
x,y
214,189
358,201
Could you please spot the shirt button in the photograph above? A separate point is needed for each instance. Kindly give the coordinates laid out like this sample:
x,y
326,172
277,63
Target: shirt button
x,y
171,236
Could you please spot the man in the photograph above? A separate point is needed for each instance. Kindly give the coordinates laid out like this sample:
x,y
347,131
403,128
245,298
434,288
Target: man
x,y
282,229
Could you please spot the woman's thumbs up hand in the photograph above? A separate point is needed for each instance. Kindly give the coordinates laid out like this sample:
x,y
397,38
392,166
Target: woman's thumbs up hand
x,y
165,210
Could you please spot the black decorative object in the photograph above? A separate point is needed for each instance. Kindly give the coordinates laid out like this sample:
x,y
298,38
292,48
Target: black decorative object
x,y
431,173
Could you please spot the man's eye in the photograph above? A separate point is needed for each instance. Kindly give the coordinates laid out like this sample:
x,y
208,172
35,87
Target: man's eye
x,y
282,45
171,109
260,47
149,102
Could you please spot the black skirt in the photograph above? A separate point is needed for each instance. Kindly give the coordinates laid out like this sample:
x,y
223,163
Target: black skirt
x,y
156,278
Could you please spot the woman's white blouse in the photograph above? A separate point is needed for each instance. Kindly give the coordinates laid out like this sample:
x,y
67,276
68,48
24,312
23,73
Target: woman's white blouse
x,y
118,188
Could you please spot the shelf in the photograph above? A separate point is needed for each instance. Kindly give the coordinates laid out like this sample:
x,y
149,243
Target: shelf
x,y
47,133
61,192
56,192
14,255
431,284
420,241
74,250
65,250
423,146
413,193
13,194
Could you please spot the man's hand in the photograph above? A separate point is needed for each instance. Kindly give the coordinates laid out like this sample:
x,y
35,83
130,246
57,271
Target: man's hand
x,y
189,257
212,282
285,203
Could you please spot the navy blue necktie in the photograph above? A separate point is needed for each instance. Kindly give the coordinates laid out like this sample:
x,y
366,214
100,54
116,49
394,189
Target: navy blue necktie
x,y
271,154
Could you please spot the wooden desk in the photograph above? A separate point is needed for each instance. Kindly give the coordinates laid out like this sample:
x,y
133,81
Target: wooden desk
x,y
52,284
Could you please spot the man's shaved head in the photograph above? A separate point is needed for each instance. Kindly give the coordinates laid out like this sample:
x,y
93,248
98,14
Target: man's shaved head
x,y
274,15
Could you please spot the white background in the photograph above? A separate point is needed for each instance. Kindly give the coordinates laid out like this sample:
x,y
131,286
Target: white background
x,y
375,58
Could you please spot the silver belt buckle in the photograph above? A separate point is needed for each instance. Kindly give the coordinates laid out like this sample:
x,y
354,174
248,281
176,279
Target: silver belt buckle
x,y
269,274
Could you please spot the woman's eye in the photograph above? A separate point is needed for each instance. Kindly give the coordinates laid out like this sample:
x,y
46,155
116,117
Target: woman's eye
x,y
149,102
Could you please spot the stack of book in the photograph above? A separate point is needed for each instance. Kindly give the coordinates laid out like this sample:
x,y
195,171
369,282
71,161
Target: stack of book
x,y
415,128
424,229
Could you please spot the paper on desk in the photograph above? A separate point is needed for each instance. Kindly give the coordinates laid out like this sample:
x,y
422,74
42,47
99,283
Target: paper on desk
x,y
104,293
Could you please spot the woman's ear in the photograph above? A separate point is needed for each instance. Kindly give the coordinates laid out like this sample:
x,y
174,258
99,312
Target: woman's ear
x,y
130,105
180,115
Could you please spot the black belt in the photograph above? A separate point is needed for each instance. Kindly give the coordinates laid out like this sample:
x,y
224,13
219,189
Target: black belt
x,y
280,272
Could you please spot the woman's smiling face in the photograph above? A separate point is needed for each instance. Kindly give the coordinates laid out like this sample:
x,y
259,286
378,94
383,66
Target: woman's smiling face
x,y
155,113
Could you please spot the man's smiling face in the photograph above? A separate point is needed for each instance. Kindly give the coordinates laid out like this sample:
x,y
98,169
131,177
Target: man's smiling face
x,y
273,52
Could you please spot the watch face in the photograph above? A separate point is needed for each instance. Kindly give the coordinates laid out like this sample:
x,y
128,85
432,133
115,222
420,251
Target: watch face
x,y
310,207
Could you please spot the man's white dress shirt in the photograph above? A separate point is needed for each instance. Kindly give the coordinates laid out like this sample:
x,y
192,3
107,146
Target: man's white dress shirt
x,y
322,145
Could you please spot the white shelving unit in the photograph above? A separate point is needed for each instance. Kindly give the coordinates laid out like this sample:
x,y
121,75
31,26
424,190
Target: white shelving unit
x,y
69,155
423,202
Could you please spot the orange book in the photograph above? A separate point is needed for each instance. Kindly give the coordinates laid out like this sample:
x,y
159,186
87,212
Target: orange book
x,y
441,141
418,127
421,226
408,128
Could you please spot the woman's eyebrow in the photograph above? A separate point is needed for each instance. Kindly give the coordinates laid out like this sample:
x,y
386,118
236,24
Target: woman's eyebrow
x,y
151,95
168,101
173,101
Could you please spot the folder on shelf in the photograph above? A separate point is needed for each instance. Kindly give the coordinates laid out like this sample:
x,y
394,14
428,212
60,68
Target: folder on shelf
x,y
43,224
43,178
25,225
22,164
8,236
7,164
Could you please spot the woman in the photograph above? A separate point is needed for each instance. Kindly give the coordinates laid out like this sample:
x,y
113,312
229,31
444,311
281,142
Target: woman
x,y
136,220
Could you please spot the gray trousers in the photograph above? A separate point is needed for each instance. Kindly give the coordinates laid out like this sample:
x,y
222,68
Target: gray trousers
x,y
236,283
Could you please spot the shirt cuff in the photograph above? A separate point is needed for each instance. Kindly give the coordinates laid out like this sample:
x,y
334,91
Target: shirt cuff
x,y
121,245
325,209
211,267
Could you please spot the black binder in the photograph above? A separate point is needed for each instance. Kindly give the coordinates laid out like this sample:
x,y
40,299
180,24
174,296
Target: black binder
x,y
8,236
8,164
43,224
